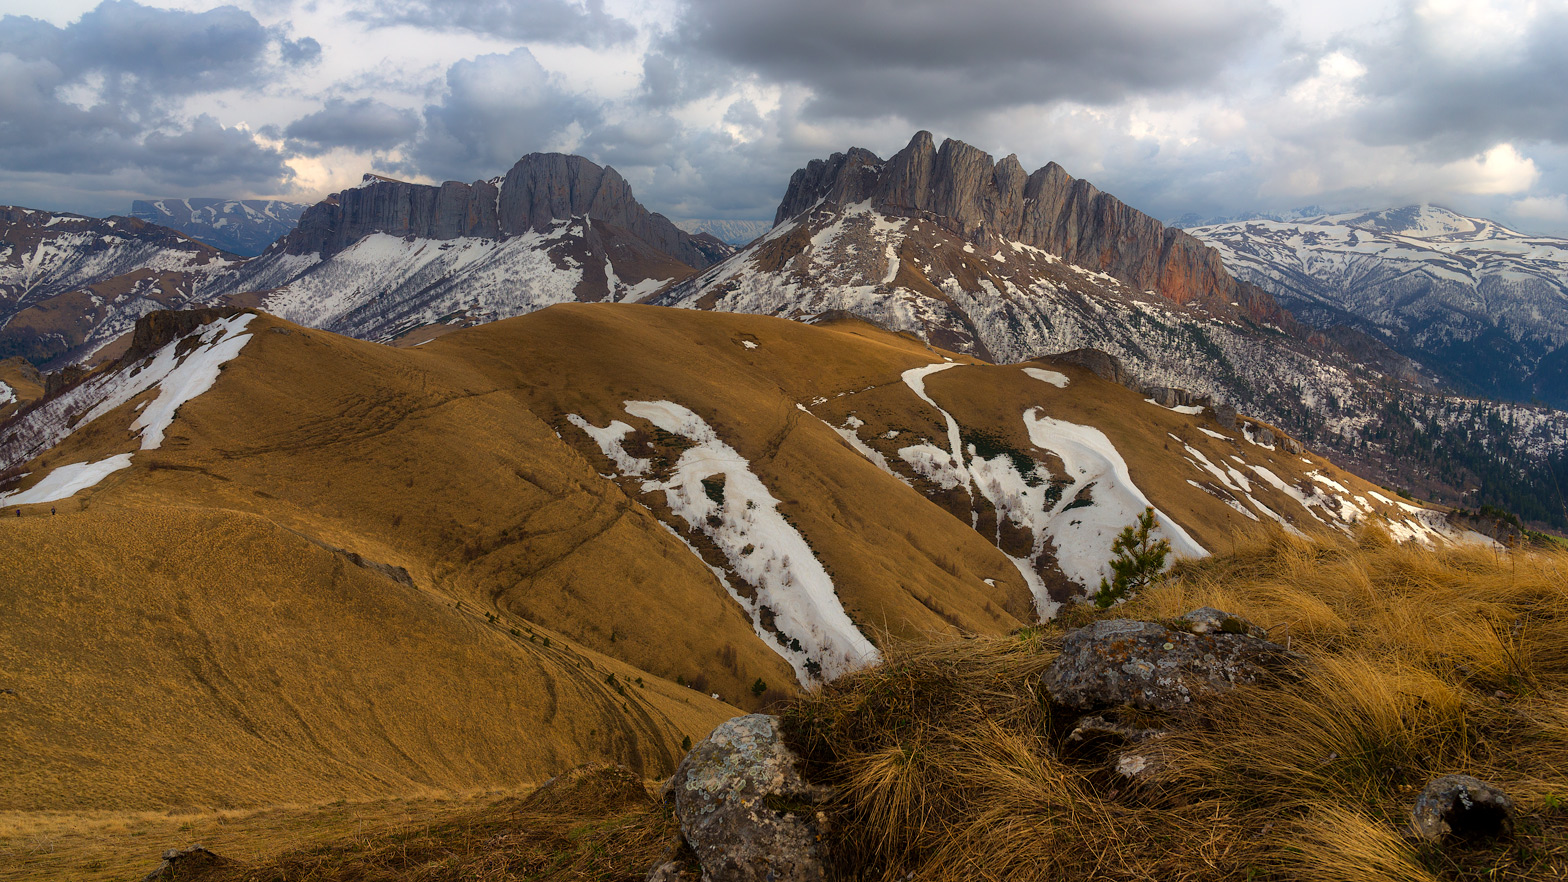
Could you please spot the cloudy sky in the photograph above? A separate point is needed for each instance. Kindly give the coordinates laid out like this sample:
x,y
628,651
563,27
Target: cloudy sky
x,y
1203,107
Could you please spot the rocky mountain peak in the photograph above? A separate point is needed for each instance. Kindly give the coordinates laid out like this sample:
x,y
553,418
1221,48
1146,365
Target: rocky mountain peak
x,y
965,191
538,191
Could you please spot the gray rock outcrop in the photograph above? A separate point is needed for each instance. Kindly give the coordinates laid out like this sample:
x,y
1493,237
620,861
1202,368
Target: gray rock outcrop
x,y
1154,667
1463,809
541,189
963,190
1099,362
744,808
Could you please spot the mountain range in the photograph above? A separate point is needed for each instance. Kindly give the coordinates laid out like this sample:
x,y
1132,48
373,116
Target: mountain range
x,y
969,253
239,226
1481,305
453,488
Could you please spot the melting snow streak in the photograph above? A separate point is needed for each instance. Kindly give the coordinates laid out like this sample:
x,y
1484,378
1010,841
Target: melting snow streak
x,y
761,547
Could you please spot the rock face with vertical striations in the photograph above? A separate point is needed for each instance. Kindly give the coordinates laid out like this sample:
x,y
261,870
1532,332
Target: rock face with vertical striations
x,y
539,191
988,203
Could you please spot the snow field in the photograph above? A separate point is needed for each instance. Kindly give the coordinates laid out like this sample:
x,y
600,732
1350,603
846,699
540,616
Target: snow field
x,y
762,548
178,380
65,481
1083,535
7,394
181,382
609,440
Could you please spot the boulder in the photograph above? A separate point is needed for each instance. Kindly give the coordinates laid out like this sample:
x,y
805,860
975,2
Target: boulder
x,y
1462,809
1154,667
1208,620
1225,415
744,808
193,864
1100,363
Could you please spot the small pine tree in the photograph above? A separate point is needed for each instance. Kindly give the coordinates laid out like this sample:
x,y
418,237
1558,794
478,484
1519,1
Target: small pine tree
x,y
759,687
685,742
1138,560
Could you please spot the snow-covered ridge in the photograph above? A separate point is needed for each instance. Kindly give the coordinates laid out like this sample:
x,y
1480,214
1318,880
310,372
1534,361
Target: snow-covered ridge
x,y
240,226
761,548
179,378
1423,279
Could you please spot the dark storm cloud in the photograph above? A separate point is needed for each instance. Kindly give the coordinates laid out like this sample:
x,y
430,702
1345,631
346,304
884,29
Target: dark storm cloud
x,y
142,50
544,21
1423,88
366,124
496,108
100,96
920,57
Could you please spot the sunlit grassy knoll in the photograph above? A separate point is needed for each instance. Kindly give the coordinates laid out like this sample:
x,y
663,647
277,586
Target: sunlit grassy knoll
x,y
1420,663
170,658
602,826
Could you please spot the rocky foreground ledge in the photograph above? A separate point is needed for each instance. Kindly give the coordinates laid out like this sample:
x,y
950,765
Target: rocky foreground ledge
x,y
748,813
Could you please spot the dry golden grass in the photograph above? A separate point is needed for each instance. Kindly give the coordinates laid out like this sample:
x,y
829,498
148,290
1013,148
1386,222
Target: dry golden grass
x,y
114,846
602,824
1421,662
178,659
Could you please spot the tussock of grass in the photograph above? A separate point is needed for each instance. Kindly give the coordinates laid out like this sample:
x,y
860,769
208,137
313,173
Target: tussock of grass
x,y
949,764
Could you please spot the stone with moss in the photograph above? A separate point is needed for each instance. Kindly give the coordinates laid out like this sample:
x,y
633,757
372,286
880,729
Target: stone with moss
x,y
745,809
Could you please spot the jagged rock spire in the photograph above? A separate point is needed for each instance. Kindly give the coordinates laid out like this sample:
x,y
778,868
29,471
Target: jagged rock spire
x,y
962,189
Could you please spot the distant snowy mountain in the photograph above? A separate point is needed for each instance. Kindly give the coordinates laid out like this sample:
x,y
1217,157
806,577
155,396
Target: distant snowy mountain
x,y
1193,219
1483,305
735,232
982,257
381,259
69,284
244,226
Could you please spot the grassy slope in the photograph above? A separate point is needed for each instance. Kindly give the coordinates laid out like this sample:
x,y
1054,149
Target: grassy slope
x,y
172,657
445,461
908,575
949,765
1420,663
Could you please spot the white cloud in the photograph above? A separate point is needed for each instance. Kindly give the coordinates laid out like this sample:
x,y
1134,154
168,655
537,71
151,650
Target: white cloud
x,y
1546,209
1499,171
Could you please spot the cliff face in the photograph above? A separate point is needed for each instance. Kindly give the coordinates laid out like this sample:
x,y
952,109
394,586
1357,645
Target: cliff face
x,y
540,189
964,191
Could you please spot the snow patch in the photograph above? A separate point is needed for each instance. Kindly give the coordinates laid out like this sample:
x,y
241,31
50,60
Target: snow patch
x,y
760,545
65,481
1055,378
1083,535
609,440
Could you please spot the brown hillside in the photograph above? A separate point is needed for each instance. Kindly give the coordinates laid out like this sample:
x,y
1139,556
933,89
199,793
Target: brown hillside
x,y
288,564
172,657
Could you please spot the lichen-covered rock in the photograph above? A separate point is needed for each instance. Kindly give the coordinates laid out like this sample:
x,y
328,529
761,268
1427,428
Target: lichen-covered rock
x,y
1153,667
1208,620
1459,808
194,863
744,807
